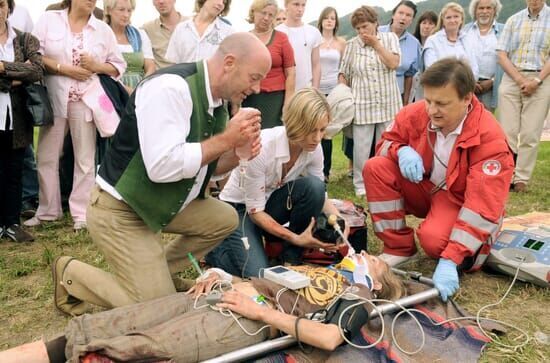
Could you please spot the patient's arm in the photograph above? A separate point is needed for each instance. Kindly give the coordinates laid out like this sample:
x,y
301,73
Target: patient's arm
x,y
30,352
324,336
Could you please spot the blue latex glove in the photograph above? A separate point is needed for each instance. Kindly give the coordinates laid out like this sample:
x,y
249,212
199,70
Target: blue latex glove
x,y
445,278
410,164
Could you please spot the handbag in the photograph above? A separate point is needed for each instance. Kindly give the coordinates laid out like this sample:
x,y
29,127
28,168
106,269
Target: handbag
x,y
38,104
37,101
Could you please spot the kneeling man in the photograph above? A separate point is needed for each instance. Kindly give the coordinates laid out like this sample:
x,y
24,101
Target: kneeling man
x,y
444,159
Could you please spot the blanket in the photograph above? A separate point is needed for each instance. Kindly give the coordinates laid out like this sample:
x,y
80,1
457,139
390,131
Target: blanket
x,y
444,343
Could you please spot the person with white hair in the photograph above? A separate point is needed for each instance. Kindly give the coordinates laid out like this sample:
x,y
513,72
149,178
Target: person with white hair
x,y
482,35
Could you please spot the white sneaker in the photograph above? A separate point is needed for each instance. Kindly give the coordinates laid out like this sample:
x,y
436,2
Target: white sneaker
x,y
33,222
394,260
79,226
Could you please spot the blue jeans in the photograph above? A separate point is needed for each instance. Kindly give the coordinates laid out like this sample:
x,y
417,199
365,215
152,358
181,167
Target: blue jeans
x,y
308,198
29,178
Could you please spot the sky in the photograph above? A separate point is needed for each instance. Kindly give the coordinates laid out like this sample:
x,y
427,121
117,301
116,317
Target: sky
x,y
239,9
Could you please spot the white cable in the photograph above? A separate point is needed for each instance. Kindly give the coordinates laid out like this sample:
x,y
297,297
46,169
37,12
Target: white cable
x,y
477,318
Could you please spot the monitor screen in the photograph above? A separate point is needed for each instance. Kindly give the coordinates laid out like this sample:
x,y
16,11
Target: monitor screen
x,y
279,270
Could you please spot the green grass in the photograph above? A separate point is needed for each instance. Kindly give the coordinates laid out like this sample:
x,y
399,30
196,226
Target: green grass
x,y
27,313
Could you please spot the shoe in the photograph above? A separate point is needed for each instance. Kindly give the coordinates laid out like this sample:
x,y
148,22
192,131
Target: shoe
x,y
520,187
18,234
64,302
33,222
28,209
79,226
393,260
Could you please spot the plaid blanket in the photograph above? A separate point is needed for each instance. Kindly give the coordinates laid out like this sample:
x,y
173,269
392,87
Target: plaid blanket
x,y
444,343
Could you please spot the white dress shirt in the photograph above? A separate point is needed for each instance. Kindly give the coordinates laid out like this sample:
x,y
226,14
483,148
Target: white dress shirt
x,y
264,172
167,155
443,148
186,46
484,50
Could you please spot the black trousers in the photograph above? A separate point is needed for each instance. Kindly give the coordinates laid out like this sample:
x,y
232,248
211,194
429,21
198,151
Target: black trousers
x,y
11,168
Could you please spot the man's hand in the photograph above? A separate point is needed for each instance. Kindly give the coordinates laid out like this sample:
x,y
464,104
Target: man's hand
x,y
483,86
410,164
244,127
445,278
242,304
204,286
529,86
306,239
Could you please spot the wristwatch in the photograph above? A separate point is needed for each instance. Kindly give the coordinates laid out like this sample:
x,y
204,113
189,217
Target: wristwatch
x,y
539,81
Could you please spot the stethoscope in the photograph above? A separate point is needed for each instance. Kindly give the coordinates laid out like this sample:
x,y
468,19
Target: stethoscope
x,y
432,128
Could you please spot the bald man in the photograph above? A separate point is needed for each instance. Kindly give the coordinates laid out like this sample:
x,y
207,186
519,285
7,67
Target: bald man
x,y
174,137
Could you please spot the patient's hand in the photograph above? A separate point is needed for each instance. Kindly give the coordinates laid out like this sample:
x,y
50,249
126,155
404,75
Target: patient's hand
x,y
204,286
242,304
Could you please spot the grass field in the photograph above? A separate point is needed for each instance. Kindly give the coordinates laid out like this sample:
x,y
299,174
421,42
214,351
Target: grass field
x,y
27,313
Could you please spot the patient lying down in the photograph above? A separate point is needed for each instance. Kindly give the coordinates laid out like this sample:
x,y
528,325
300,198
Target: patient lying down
x,y
186,328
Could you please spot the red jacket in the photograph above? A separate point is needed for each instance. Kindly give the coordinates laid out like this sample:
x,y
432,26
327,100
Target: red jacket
x,y
478,175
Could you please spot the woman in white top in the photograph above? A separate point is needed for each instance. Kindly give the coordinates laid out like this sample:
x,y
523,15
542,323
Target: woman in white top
x,y
283,184
133,43
330,52
448,40
199,37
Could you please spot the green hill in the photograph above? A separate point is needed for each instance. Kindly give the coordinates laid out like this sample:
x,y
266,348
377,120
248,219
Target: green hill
x,y
509,7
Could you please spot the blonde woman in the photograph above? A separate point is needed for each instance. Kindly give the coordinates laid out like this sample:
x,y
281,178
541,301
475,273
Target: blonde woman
x,y
133,43
277,88
282,184
448,39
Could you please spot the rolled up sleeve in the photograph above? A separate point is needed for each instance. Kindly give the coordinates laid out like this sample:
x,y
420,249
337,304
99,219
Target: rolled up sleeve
x,y
163,111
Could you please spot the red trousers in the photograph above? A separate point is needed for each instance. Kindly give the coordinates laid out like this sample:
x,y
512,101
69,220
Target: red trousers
x,y
390,197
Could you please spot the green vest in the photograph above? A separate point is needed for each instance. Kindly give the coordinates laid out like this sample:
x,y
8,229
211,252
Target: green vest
x,y
158,203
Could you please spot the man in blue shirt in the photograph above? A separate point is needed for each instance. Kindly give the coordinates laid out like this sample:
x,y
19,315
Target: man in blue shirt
x,y
402,17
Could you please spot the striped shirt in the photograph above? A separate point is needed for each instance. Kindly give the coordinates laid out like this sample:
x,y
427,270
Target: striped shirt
x,y
526,39
374,86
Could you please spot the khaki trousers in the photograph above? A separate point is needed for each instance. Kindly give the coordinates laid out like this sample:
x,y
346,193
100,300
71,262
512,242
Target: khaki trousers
x,y
169,328
141,264
522,119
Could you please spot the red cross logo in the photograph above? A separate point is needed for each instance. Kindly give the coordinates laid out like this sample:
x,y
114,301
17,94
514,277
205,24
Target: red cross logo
x,y
491,167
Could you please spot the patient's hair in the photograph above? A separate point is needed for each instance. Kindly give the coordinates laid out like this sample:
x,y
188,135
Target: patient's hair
x,y
306,108
392,285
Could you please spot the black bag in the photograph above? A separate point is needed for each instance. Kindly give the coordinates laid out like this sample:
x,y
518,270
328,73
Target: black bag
x,y
37,103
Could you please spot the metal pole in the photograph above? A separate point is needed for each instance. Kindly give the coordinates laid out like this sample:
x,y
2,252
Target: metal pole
x,y
288,341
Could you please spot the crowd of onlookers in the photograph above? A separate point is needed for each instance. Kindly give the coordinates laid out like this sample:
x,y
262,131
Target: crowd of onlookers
x,y
74,45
